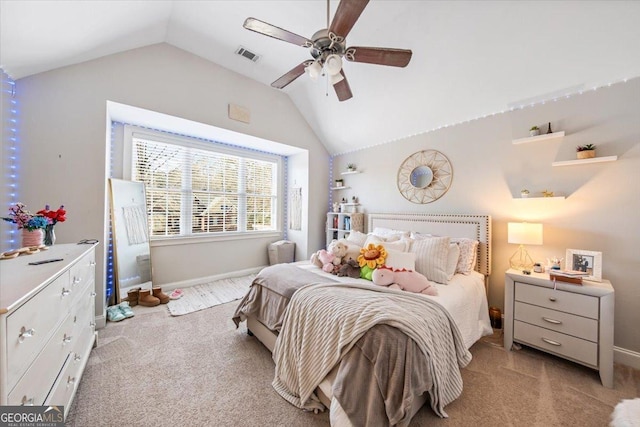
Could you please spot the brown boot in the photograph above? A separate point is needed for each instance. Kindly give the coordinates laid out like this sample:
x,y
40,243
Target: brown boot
x,y
146,299
157,292
132,296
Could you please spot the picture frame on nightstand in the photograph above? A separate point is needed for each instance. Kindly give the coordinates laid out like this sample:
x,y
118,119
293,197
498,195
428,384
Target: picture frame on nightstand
x,y
587,261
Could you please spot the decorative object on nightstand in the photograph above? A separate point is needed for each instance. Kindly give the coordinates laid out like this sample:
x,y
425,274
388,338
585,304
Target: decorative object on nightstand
x,y
524,193
587,151
569,321
534,131
586,261
523,233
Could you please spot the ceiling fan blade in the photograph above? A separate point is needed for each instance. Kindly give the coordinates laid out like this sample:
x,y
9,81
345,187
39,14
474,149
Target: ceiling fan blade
x,y
342,88
379,55
291,75
346,16
262,27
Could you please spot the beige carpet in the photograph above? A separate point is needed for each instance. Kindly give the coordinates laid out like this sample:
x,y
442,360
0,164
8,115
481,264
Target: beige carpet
x,y
198,370
199,297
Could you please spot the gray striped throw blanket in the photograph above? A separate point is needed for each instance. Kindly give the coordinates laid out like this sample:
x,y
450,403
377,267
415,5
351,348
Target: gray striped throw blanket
x,y
324,321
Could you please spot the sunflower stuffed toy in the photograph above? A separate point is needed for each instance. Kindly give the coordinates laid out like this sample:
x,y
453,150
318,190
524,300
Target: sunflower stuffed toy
x,y
371,257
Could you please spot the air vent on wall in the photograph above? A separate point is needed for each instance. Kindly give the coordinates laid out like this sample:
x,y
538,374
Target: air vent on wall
x,y
247,54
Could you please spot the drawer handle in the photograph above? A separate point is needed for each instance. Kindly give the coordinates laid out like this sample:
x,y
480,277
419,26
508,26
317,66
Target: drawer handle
x,y
66,339
92,324
27,401
26,333
92,294
77,280
548,341
71,380
555,322
552,299
77,358
92,263
65,292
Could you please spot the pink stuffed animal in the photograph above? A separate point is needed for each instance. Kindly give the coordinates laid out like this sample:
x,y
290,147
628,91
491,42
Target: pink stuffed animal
x,y
326,258
407,280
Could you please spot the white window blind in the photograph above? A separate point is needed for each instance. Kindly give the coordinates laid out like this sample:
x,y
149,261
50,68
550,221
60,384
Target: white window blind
x,y
194,189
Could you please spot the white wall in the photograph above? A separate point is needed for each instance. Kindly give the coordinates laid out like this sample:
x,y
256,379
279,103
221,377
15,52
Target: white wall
x,y
600,212
65,156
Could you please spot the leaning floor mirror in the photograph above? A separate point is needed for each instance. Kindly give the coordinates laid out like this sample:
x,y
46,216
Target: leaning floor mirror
x,y
130,234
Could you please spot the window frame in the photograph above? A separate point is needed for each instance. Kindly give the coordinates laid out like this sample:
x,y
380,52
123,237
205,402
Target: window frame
x,y
131,132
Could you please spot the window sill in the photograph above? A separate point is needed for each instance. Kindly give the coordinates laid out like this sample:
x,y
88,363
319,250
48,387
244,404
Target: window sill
x,y
193,240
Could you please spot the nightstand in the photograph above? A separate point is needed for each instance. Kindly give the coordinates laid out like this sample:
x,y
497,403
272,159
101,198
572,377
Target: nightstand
x,y
574,322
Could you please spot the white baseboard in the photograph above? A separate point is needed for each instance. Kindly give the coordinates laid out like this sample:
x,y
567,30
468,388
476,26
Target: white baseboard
x,y
201,280
626,357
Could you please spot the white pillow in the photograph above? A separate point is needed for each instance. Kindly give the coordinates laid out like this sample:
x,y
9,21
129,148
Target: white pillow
x,y
431,258
401,245
420,236
399,260
389,234
452,260
357,237
468,254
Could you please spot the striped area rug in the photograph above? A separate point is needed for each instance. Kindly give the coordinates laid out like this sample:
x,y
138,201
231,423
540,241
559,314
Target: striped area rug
x,y
199,297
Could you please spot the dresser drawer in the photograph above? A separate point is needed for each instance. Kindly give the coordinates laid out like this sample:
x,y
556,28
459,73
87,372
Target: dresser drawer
x,y
40,376
81,273
554,342
582,305
570,324
41,314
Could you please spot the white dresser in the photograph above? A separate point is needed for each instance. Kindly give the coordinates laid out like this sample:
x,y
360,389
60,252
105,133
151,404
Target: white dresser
x,y
47,325
571,321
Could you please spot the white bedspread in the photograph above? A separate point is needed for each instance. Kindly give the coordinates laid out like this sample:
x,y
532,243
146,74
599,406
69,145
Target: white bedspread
x,y
464,297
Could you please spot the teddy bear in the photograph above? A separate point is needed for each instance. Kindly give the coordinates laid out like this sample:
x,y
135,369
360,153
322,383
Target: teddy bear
x,y
350,268
336,248
407,280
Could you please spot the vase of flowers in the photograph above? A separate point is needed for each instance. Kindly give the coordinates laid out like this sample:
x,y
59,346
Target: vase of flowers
x,y
53,217
30,224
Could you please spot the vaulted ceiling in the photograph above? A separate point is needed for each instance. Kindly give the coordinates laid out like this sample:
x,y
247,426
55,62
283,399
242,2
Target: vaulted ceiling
x,y
470,58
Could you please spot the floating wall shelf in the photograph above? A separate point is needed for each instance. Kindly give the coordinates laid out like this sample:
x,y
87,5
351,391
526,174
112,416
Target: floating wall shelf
x,y
541,197
585,161
349,172
543,137
340,188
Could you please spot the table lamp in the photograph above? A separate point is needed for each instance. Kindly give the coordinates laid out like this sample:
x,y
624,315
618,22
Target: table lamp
x,y
523,233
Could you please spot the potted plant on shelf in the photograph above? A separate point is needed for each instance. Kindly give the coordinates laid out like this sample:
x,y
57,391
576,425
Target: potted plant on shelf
x,y
534,131
339,183
351,167
587,151
524,193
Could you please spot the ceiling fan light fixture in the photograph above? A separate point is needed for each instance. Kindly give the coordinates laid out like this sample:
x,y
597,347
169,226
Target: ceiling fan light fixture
x,y
333,64
314,70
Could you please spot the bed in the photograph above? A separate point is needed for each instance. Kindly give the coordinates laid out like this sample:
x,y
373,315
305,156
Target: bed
x,y
296,320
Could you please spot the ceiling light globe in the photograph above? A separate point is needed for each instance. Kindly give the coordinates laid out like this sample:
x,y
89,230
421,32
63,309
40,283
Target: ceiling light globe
x,y
313,70
333,64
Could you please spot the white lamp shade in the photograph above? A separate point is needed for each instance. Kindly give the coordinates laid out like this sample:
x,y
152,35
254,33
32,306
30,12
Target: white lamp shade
x,y
333,64
524,233
313,70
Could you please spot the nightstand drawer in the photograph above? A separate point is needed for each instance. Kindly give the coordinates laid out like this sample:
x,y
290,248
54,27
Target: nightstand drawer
x,y
570,324
582,305
555,342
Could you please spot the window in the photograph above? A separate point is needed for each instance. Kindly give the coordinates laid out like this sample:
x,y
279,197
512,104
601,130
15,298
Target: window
x,y
197,188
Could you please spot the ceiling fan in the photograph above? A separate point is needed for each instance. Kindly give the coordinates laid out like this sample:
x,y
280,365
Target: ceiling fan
x,y
328,47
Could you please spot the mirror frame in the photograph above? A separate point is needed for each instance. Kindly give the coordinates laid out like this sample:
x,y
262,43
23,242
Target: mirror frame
x,y
442,176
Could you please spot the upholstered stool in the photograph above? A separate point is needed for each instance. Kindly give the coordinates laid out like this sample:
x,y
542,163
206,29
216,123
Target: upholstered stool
x,y
626,414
